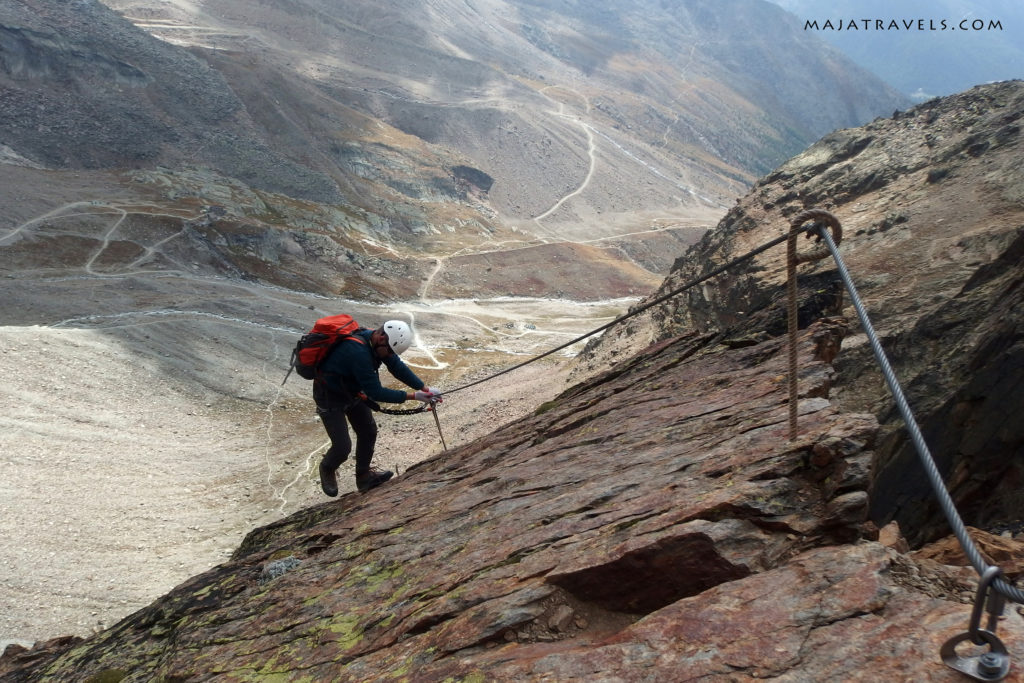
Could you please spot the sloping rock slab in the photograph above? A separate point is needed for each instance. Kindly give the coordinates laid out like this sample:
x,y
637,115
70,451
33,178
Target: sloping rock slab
x,y
655,521
831,614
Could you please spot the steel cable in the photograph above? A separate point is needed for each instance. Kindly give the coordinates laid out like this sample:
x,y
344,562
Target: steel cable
x,y
638,311
938,484
949,508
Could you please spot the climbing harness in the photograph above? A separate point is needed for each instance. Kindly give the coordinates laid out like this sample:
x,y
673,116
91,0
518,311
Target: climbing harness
x,y
376,407
432,407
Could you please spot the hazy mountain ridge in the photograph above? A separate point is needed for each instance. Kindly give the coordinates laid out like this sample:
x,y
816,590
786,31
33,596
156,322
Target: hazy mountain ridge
x,y
277,95
927,54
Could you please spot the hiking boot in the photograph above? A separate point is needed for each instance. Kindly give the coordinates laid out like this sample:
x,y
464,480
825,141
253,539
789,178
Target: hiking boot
x,y
372,479
328,480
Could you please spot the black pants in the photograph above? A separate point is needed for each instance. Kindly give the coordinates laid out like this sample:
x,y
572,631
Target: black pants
x,y
333,412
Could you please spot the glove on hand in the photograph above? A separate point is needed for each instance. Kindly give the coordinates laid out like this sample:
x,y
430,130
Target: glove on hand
x,y
428,395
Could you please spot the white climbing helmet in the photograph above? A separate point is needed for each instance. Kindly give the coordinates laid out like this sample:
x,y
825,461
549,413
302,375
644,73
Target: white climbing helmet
x,y
399,335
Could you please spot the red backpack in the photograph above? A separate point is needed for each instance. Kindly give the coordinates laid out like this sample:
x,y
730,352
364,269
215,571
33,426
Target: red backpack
x,y
314,346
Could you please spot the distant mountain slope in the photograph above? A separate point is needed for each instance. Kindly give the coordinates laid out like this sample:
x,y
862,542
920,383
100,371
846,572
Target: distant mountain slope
x,y
625,106
82,88
935,55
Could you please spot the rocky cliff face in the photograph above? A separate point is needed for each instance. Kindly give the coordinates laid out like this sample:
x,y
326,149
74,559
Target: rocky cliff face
x,y
655,524
932,204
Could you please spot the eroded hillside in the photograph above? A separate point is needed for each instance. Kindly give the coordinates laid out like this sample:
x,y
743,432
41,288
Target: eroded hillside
x,y
636,108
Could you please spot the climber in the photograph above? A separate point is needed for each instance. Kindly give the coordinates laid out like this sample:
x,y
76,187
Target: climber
x,y
348,377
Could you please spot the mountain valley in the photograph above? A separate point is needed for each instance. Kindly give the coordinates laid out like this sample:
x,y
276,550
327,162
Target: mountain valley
x,y
187,186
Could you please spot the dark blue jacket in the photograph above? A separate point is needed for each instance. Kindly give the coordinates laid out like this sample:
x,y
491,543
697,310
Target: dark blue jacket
x,y
352,367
